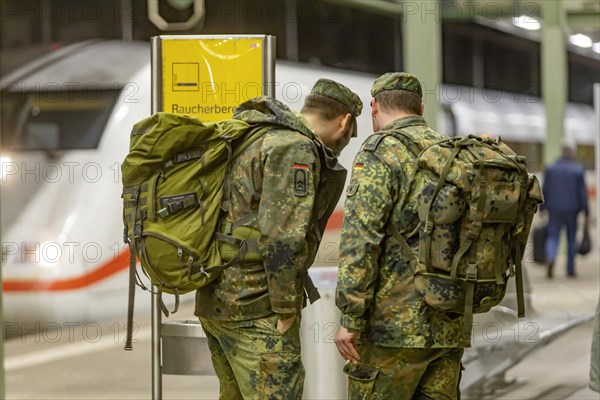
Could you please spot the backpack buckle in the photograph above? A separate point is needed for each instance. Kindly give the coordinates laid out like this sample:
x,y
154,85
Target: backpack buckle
x,y
519,228
474,231
472,272
428,226
202,270
137,231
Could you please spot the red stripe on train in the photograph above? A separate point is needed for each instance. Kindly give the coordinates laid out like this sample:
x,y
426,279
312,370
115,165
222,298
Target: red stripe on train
x,y
336,220
106,270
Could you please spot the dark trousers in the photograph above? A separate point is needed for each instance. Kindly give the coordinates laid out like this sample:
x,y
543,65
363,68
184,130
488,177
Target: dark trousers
x,y
556,221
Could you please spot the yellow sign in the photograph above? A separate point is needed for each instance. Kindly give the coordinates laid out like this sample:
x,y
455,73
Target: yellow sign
x,y
209,78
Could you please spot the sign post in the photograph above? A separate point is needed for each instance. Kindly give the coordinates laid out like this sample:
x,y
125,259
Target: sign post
x,y
208,77
597,166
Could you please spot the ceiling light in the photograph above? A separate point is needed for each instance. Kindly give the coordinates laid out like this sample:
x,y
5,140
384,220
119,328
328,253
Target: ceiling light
x,y
596,47
581,40
526,22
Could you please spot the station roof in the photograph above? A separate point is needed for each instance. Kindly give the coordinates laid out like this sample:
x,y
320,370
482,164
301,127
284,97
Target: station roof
x,y
582,17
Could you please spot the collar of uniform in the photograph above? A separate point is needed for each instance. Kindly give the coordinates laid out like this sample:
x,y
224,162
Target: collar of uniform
x,y
411,120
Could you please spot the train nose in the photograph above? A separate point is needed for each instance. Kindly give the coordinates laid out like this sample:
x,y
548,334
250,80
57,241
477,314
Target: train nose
x,y
36,253
34,259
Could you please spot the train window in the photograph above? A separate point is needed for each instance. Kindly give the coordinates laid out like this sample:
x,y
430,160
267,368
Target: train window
x,y
51,121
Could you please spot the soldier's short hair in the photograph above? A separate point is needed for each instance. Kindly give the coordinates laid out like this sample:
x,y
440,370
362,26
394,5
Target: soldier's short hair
x,y
326,108
399,100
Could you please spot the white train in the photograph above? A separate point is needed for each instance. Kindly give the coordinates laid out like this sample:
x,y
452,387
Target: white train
x,y
66,120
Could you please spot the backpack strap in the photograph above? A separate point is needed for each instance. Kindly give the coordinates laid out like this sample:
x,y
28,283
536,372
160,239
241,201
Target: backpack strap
x,y
131,300
227,180
373,141
519,258
250,137
407,141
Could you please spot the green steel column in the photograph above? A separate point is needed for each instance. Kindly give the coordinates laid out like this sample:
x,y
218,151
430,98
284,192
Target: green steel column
x,y
2,388
554,75
422,38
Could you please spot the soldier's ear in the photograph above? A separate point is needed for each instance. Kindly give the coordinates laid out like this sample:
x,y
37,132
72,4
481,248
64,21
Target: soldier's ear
x,y
422,108
374,107
345,122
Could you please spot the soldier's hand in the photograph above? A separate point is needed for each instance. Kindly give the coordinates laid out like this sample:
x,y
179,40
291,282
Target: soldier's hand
x,y
345,342
283,326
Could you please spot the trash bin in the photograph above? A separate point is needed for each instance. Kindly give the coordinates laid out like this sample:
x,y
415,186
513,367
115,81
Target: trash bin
x,y
322,361
185,349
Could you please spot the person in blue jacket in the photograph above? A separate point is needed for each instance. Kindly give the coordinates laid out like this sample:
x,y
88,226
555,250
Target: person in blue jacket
x,y
565,197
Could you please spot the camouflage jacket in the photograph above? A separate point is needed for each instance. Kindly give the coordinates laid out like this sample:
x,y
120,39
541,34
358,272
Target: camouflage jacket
x,y
375,291
278,187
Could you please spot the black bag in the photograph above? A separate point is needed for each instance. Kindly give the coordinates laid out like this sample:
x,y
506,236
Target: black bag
x,y
539,243
586,244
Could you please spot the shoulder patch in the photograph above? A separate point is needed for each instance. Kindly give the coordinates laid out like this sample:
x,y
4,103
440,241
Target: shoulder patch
x,y
300,180
372,142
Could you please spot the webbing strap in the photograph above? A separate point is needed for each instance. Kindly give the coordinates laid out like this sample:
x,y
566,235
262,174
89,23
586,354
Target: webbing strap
x,y
409,253
476,225
468,313
142,249
426,248
500,259
245,219
236,259
250,137
131,203
227,180
161,303
403,138
131,189
131,300
471,236
251,244
174,207
519,257
519,284
311,290
184,156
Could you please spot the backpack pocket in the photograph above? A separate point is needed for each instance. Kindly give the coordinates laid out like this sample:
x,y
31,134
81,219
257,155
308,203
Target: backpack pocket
x,y
444,294
171,265
448,206
501,203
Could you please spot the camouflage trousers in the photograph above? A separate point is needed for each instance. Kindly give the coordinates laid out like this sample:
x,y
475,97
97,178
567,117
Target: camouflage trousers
x,y
407,373
253,360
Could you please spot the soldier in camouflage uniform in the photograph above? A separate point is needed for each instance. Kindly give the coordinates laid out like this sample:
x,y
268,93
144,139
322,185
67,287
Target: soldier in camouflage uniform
x,y
393,341
284,187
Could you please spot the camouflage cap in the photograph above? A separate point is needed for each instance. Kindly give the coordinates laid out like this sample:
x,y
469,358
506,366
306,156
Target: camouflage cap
x,y
339,92
396,81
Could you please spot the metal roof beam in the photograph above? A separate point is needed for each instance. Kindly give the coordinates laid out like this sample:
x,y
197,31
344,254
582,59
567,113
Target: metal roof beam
x,y
467,10
583,20
380,7
458,11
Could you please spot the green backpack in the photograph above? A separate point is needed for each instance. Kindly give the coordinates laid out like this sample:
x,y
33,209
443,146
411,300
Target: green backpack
x,y
476,202
175,187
